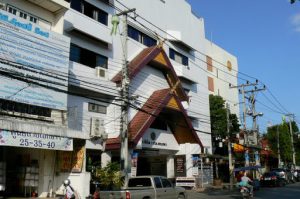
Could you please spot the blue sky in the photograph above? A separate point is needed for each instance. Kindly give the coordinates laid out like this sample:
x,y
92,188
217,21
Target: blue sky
x,y
265,38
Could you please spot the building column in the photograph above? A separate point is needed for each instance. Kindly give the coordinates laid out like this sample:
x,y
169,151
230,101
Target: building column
x,y
105,158
170,167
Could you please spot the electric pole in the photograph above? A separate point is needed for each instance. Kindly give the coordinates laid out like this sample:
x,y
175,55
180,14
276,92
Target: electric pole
x,y
242,91
231,166
278,147
125,99
253,114
292,137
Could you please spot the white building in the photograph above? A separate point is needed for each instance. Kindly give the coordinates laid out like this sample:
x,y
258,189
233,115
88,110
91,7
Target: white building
x,y
169,120
222,70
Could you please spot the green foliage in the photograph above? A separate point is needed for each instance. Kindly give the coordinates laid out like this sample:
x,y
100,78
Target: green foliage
x,y
284,140
292,1
218,117
235,126
110,176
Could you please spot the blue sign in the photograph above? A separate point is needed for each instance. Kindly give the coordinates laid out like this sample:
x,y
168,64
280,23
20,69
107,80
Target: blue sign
x,y
42,56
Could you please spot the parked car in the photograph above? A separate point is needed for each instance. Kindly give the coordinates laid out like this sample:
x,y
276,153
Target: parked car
x,y
272,179
286,174
146,187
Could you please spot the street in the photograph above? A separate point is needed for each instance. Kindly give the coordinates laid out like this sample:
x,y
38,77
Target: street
x,y
289,191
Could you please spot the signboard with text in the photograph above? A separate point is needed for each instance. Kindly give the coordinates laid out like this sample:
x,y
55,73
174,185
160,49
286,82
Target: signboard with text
x,y
35,140
180,168
33,54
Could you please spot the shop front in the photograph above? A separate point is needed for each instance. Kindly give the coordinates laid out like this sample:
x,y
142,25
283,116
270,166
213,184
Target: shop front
x,y
29,162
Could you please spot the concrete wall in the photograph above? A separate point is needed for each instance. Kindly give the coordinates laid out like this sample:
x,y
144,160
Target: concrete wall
x,y
222,75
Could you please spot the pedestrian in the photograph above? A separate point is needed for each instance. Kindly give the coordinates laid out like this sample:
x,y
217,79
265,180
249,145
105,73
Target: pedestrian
x,y
70,193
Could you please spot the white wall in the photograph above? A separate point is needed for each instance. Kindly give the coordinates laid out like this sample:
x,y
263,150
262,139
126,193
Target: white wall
x,y
220,58
79,117
54,18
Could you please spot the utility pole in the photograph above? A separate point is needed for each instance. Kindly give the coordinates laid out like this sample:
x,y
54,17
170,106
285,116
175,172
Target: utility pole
x,y
242,91
253,114
125,99
231,166
278,147
292,138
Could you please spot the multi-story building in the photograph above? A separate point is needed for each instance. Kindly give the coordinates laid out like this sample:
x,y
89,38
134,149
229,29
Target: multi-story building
x,y
62,72
222,70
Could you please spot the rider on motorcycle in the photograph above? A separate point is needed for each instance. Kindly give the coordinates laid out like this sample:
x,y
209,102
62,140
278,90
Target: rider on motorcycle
x,y
245,182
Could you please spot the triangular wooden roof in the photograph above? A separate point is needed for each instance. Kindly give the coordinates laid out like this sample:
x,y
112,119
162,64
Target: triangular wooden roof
x,y
156,57
147,114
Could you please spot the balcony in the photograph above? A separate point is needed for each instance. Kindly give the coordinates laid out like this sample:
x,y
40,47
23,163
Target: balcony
x,y
52,5
79,22
187,72
93,79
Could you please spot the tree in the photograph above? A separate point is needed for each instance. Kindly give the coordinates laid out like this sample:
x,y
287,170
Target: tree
x,y
218,117
110,176
284,140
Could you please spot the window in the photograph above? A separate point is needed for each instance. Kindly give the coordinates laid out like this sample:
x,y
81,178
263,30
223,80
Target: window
x,y
12,10
87,57
157,182
32,19
141,37
166,182
139,182
90,11
97,108
159,124
176,56
16,107
23,15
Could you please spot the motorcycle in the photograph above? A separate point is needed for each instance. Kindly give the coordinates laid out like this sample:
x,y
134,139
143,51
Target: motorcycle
x,y
245,192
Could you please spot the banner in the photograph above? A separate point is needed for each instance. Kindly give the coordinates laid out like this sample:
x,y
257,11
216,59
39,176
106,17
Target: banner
x,y
134,160
39,53
35,140
247,158
195,169
180,167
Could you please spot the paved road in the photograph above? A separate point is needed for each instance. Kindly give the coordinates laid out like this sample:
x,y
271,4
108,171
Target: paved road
x,y
291,191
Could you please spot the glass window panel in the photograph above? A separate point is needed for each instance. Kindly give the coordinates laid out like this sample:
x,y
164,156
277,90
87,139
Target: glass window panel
x,y
157,182
102,17
12,10
171,53
133,33
23,15
75,53
101,61
148,41
76,5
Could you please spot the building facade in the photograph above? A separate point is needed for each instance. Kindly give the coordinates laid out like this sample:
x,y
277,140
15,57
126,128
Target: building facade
x,y
60,101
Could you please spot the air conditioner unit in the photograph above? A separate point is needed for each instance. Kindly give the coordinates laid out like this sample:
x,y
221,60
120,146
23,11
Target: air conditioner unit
x,y
100,72
97,127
